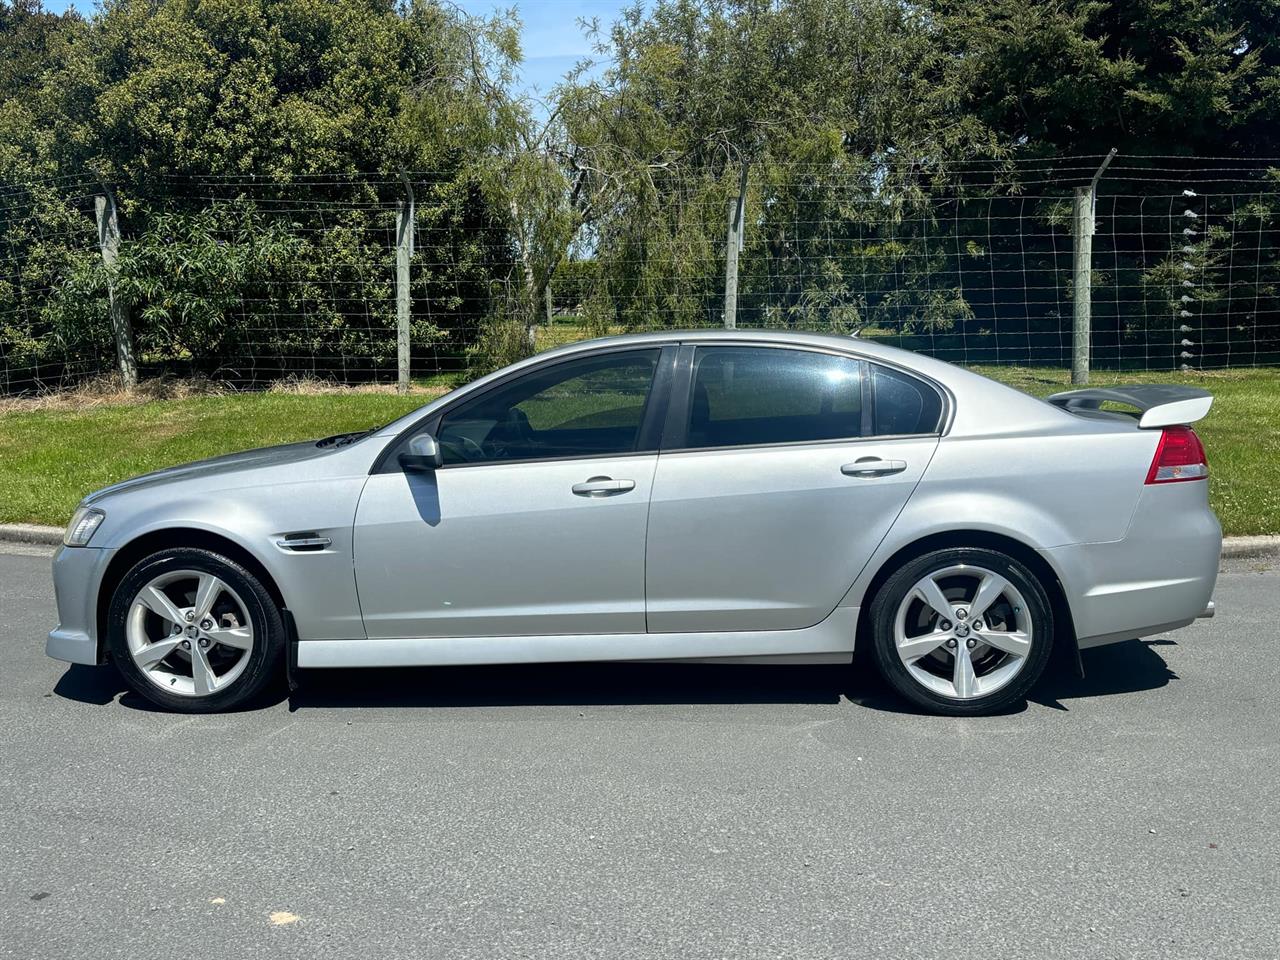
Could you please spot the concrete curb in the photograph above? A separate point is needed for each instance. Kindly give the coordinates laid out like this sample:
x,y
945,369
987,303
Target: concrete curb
x,y
1265,546
30,533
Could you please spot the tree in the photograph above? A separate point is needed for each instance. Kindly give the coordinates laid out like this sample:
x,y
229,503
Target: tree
x,y
844,111
1153,77
213,119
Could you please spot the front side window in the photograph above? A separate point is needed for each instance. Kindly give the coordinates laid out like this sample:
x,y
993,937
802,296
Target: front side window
x,y
579,408
754,395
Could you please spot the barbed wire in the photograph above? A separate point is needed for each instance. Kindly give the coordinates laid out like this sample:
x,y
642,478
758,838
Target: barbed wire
x,y
297,277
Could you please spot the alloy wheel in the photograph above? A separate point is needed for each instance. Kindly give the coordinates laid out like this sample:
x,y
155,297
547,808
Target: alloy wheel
x,y
189,633
963,632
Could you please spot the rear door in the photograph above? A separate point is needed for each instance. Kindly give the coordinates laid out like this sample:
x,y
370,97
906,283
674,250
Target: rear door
x,y
782,470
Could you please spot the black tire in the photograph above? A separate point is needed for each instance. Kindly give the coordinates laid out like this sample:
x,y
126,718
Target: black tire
x,y
265,659
892,593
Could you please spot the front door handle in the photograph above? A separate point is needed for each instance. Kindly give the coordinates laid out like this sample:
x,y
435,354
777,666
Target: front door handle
x,y
603,487
873,467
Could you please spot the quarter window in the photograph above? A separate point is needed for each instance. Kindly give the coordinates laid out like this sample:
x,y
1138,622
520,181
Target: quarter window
x,y
588,407
754,395
903,405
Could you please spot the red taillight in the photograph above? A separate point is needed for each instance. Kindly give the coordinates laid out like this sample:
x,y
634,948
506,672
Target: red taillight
x,y
1179,456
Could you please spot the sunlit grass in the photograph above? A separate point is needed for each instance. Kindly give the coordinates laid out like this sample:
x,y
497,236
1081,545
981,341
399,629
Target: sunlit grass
x,y
51,457
1241,434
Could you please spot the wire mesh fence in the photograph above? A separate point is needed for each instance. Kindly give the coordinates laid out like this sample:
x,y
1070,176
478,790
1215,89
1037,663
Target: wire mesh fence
x,y
250,281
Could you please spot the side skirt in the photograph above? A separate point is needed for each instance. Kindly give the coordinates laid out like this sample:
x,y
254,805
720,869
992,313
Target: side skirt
x,y
833,636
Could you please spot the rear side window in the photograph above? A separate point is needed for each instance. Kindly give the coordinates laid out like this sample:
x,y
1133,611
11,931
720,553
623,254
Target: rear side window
x,y
754,395
902,404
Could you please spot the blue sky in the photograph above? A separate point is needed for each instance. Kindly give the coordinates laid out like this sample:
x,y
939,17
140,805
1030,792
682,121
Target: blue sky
x,y
553,41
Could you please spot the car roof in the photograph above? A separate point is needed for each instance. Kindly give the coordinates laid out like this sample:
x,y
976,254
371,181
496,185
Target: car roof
x,y
830,341
983,405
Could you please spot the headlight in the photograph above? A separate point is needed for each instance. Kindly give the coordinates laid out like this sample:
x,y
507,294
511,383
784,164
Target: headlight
x,y
84,524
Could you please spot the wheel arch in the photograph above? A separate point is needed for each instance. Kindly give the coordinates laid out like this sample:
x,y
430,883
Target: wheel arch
x,y
127,556
1064,626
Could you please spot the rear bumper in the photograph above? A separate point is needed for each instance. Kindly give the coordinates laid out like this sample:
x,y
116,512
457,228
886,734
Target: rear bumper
x,y
1159,577
77,575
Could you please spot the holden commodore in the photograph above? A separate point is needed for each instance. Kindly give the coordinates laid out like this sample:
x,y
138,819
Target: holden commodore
x,y
727,496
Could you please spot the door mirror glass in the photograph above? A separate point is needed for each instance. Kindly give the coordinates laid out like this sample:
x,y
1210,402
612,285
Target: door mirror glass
x,y
422,453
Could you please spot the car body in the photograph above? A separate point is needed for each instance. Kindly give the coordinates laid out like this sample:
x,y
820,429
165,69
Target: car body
x,y
728,495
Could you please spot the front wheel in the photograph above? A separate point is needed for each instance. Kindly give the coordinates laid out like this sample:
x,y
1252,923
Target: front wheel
x,y
962,631
194,631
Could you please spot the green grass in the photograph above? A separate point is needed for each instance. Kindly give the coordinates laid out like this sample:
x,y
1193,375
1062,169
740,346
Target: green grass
x,y
1241,434
50,458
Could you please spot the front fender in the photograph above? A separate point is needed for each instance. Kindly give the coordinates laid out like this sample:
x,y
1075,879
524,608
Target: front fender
x,y
317,586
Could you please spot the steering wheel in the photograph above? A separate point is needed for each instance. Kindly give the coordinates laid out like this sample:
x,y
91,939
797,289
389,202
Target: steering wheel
x,y
463,447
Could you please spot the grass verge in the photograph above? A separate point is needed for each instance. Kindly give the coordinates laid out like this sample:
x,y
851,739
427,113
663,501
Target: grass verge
x,y
53,453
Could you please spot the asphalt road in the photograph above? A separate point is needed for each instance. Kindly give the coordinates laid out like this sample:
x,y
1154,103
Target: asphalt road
x,y
648,810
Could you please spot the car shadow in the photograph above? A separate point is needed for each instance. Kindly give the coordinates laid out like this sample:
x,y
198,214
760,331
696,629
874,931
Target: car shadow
x,y
568,684
98,685
1112,670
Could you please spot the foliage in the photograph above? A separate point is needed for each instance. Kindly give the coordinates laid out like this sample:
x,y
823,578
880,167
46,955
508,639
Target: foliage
x,y
797,94
298,110
1153,77
254,146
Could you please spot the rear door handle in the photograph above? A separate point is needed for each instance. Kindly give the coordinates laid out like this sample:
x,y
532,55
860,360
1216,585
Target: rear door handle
x,y
873,467
603,487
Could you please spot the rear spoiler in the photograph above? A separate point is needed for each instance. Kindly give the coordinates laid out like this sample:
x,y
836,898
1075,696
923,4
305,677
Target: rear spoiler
x,y
1158,404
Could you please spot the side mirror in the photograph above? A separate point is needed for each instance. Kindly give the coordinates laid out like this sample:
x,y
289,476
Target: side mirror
x,y
423,454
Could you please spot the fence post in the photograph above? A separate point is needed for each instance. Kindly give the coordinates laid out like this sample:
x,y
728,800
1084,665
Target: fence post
x,y
404,254
733,246
1082,224
1082,282
104,207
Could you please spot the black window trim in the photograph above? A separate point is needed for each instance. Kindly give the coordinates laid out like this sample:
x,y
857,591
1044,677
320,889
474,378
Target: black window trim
x,y
648,440
675,436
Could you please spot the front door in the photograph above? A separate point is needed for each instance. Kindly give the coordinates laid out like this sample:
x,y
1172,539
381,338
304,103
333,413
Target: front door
x,y
535,525
787,476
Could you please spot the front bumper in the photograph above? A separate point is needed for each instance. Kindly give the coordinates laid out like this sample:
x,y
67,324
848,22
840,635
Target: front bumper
x,y
77,577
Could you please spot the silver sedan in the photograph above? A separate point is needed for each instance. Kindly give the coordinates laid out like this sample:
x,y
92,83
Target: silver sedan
x,y
736,496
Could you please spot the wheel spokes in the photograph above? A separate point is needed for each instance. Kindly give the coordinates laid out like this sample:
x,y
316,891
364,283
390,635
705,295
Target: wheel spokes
x,y
216,615
1013,642
153,653
929,591
989,590
958,653
158,602
207,593
241,638
202,674
962,676
914,648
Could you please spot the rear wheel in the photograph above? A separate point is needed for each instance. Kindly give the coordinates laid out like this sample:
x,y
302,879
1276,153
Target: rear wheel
x,y
194,631
962,631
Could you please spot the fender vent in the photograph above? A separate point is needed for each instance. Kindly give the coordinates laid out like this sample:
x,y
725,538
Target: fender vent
x,y
305,542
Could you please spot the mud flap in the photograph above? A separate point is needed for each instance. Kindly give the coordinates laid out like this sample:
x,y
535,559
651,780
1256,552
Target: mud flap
x,y
291,651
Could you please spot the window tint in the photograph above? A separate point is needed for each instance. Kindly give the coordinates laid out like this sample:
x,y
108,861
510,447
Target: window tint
x,y
582,407
903,404
746,395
